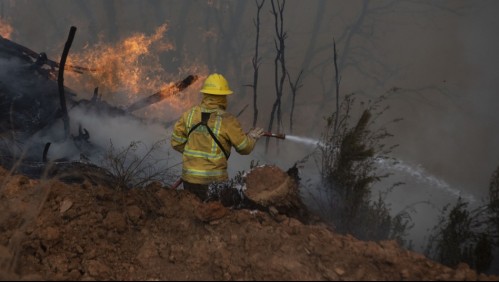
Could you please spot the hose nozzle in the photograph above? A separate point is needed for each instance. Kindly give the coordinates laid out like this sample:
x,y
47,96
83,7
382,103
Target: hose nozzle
x,y
276,135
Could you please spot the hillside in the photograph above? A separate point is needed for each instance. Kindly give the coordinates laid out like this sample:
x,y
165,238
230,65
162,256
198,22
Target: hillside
x,y
55,231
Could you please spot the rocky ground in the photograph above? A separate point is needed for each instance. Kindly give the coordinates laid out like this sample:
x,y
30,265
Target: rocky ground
x,y
50,230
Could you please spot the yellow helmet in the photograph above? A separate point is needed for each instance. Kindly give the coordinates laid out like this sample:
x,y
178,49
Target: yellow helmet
x,y
216,84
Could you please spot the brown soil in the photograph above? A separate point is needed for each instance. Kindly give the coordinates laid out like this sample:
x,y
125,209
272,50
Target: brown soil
x,y
54,231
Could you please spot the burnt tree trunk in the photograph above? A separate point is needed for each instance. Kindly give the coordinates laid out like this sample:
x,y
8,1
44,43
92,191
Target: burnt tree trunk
x,y
60,81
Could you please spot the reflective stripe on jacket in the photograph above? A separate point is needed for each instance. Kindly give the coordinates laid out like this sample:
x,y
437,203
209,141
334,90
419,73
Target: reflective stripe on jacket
x,y
203,160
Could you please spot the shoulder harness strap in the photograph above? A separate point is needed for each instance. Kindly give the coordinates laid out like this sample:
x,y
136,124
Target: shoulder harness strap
x,y
204,121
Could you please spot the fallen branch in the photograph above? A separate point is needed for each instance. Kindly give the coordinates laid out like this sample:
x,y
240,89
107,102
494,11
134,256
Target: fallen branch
x,y
162,94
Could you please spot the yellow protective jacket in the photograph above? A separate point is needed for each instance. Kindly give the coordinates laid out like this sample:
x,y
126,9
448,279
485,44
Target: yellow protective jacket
x,y
203,160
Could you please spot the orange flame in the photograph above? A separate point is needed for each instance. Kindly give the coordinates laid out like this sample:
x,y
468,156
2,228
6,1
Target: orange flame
x,y
127,67
177,102
130,70
5,29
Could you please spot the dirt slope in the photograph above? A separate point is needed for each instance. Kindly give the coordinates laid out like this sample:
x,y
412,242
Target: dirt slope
x,y
53,231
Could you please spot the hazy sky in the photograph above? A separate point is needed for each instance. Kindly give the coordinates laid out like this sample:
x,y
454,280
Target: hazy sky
x,y
441,56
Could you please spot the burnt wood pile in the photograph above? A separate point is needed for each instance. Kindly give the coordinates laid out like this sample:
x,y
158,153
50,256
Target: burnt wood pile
x,y
30,105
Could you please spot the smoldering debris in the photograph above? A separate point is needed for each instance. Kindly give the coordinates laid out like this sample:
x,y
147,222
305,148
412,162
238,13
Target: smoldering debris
x,y
31,118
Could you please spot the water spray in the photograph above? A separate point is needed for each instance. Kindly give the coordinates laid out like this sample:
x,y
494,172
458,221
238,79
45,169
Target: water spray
x,y
276,135
298,139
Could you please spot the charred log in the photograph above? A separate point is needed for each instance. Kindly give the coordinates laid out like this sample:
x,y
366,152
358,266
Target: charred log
x,y
78,172
45,152
12,49
66,171
95,97
162,94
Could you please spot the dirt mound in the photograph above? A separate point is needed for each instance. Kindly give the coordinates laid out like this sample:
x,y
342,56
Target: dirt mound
x,y
54,231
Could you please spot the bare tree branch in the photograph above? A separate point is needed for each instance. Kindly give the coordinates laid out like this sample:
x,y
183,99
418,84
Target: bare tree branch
x,y
279,63
294,88
256,62
337,83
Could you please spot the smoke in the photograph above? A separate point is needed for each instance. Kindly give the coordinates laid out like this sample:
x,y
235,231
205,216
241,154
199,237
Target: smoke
x,y
118,128
104,130
10,69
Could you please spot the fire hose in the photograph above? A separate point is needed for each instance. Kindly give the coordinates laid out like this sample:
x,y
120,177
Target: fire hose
x,y
267,134
176,184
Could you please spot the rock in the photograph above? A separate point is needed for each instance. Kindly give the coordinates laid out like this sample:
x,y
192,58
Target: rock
x,y
210,211
134,213
98,269
50,234
115,220
147,252
339,270
65,205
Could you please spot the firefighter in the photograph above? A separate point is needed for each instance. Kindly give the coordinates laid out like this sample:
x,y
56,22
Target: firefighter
x,y
205,135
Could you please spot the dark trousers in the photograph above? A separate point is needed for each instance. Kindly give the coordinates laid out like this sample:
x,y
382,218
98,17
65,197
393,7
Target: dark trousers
x,y
228,197
200,190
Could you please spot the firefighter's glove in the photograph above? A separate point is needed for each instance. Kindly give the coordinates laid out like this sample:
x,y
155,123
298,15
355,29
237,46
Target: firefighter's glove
x,y
255,133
